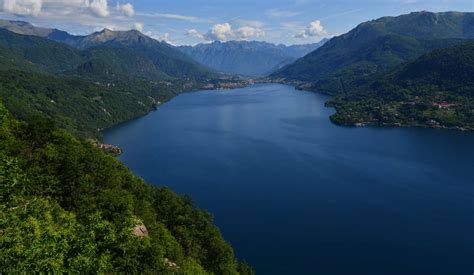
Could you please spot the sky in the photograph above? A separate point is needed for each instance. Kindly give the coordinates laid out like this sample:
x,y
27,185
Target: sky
x,y
191,22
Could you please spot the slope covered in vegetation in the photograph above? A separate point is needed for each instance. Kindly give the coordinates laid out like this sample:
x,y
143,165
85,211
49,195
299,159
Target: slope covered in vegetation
x,y
436,90
374,47
68,207
83,91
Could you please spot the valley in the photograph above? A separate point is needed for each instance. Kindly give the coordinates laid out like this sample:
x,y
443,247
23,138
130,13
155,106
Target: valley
x,y
314,151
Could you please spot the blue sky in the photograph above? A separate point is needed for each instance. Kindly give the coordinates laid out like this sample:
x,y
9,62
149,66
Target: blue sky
x,y
196,21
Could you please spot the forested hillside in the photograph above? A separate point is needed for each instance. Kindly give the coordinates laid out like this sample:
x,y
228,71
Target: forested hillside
x,y
66,207
154,55
82,90
436,90
373,47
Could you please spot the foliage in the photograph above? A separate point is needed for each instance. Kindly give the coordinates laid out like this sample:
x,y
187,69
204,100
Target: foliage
x,y
375,47
79,105
88,90
436,90
68,207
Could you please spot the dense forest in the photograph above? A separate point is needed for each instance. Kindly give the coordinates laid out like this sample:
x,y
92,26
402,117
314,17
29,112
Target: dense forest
x,y
436,90
82,90
352,59
66,206
85,91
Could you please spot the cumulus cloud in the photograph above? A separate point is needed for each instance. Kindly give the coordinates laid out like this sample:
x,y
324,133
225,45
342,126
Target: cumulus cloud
x,y
99,8
126,9
194,33
22,7
225,32
245,33
220,32
138,26
314,29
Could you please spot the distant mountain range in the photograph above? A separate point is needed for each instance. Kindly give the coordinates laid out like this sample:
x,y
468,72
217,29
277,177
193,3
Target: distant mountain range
x,y
154,57
118,75
374,47
248,58
86,207
86,83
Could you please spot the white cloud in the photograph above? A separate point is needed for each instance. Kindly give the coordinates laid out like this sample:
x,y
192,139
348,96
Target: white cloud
x,y
76,16
126,9
245,33
220,32
314,29
22,7
194,33
166,37
98,7
138,26
225,32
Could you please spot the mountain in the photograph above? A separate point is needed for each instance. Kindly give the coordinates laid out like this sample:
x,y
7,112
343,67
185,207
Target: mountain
x,y
161,55
374,47
26,28
249,58
82,90
435,90
68,207
164,56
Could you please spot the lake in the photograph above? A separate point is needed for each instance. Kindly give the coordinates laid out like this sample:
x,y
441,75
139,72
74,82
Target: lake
x,y
295,194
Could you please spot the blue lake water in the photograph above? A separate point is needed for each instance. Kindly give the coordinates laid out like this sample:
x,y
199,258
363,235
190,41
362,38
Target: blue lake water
x,y
296,194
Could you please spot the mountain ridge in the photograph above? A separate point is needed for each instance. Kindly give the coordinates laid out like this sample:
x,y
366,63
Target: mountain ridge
x,y
165,57
248,58
83,91
326,69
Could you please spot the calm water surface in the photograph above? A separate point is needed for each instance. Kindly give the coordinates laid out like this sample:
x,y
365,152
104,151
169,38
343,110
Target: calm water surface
x,y
295,194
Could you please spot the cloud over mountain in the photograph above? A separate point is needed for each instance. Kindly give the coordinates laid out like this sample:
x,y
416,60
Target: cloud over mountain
x,y
225,32
126,9
99,8
314,29
22,7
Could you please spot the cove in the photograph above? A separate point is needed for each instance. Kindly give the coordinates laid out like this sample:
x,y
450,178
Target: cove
x,y
296,194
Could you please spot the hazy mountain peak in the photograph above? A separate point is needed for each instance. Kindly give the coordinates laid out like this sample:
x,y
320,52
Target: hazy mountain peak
x,y
106,34
250,58
106,31
24,28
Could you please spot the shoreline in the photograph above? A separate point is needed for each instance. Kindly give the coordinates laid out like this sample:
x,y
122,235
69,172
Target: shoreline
x,y
300,85
402,125
239,84
221,84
